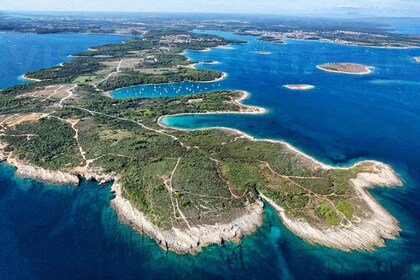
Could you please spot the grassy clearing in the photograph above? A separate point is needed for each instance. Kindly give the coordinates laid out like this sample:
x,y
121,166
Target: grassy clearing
x,y
346,208
85,79
328,213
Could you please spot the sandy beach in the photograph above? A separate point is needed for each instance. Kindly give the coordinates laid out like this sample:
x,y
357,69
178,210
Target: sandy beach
x,y
23,77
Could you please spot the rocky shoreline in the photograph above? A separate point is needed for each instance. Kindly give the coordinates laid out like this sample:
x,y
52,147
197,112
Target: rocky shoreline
x,y
299,87
346,68
181,241
29,171
26,170
364,233
187,240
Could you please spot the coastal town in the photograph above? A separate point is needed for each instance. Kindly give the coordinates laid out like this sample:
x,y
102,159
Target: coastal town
x,y
343,37
186,38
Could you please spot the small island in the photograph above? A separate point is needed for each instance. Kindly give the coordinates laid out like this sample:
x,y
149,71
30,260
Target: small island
x,y
263,52
346,68
299,87
211,62
273,40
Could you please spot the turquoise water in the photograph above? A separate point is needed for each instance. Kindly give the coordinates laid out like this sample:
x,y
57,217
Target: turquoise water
x,y
49,232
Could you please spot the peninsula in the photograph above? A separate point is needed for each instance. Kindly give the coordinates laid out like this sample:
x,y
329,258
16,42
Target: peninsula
x,y
346,68
184,189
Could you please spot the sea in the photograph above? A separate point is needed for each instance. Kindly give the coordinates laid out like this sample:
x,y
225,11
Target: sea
x,y
51,232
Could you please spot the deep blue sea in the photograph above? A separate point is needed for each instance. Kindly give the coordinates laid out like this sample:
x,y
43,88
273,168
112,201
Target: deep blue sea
x,y
49,232
21,53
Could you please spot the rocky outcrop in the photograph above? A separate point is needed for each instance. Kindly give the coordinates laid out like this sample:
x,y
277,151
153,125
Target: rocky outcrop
x,y
187,240
95,174
26,170
363,233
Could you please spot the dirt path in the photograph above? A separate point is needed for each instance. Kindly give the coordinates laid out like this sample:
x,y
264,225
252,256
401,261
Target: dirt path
x,y
136,122
226,182
310,193
54,93
73,123
119,66
174,200
70,94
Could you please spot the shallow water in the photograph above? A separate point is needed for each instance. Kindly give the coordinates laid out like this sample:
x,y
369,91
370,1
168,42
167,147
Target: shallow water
x,y
49,232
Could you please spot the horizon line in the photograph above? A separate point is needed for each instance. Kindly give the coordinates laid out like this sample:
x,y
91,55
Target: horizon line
x,y
291,14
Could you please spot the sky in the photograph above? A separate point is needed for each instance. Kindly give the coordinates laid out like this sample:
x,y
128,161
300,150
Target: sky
x,y
292,7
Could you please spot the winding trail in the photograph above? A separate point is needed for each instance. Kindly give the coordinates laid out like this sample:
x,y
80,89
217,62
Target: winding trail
x,y
70,94
224,180
119,66
54,93
310,192
73,123
169,186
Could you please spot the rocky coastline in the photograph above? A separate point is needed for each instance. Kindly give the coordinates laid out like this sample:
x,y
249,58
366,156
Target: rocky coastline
x,y
363,233
187,240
